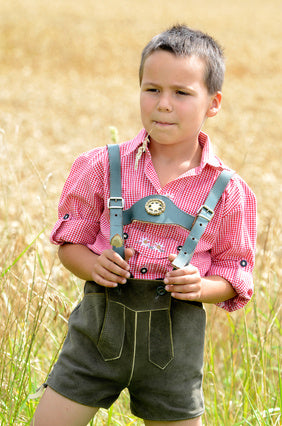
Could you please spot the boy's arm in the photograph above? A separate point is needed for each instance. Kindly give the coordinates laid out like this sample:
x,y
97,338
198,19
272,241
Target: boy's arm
x,y
187,284
107,269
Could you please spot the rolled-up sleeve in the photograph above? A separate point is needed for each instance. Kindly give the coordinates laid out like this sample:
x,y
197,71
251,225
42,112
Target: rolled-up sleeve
x,y
81,203
233,255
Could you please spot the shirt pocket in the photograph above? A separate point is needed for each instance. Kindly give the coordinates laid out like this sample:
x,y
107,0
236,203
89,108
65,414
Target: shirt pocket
x,y
154,241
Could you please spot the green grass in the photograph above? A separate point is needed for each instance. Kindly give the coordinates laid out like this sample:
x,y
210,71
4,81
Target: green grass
x,y
243,387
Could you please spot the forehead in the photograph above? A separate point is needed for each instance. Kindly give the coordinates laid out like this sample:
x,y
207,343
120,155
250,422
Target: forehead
x,y
167,67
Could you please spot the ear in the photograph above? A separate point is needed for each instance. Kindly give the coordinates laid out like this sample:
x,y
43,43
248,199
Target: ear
x,y
215,104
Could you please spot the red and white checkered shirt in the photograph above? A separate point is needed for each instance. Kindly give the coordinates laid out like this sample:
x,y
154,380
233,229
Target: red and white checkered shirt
x,y
227,247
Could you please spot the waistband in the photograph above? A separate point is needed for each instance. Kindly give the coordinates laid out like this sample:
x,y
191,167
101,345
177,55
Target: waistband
x,y
137,294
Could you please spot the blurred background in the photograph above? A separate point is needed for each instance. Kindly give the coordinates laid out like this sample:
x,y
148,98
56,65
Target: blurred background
x,y
68,72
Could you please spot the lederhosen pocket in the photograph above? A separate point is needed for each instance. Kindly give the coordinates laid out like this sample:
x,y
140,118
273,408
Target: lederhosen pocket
x,y
87,318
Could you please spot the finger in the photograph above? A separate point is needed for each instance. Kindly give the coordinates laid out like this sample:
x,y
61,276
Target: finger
x,y
187,270
111,276
186,296
184,288
107,272
171,257
114,268
182,280
105,283
117,260
128,253
112,261
106,278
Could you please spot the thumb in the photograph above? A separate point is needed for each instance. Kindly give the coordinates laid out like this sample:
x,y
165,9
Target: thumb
x,y
128,253
171,257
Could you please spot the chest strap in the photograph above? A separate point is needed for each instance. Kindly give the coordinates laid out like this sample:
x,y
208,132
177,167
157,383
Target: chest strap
x,y
172,215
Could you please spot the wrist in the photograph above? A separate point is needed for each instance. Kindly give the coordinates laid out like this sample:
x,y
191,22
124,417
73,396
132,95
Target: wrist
x,y
215,289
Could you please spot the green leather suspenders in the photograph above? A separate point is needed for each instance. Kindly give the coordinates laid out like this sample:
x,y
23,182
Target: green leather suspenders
x,y
203,217
115,202
159,209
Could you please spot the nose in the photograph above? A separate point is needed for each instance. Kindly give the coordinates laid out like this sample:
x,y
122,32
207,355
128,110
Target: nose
x,y
164,103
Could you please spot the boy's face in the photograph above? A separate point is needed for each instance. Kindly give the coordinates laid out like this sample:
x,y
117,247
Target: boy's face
x,y
174,99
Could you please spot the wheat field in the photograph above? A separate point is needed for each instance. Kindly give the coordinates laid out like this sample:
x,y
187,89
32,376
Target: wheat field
x,y
68,73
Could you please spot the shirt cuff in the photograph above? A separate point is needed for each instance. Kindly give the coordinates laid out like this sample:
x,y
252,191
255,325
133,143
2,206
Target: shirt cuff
x,y
239,275
73,230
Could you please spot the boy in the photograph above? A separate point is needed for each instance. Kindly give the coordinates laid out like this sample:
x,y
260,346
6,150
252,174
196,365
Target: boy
x,y
141,323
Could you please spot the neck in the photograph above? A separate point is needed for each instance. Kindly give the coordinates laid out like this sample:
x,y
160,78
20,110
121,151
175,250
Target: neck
x,y
190,154
171,161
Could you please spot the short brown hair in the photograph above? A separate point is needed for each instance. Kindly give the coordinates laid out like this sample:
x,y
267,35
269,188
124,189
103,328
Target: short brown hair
x,y
183,41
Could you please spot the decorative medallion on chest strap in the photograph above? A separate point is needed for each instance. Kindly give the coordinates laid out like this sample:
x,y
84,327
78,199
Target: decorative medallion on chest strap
x,y
155,206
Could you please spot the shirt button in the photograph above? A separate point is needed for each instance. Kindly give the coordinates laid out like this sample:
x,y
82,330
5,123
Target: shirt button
x,y
161,291
66,216
243,263
143,270
125,235
179,248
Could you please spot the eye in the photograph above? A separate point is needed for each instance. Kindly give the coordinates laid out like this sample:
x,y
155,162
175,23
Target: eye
x,y
181,93
152,90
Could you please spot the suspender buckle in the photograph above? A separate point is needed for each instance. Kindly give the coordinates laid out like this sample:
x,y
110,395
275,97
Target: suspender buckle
x,y
205,212
115,200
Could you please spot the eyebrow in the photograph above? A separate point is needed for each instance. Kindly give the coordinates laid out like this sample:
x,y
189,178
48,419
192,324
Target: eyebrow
x,y
174,86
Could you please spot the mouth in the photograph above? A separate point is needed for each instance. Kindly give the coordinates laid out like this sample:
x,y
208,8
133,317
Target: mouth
x,y
163,123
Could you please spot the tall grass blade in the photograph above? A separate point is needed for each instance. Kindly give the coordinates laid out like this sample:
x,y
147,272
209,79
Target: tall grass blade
x,y
21,254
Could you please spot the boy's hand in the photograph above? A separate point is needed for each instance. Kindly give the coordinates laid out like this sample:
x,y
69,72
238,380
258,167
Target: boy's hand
x,y
110,269
184,283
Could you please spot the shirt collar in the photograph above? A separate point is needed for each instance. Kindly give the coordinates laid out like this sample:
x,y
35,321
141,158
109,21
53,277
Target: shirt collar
x,y
208,156
134,143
